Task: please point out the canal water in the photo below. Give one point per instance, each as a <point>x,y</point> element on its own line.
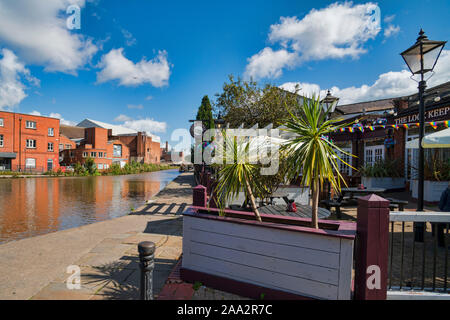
<point>34,206</point>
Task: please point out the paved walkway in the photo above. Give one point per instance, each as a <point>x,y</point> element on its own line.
<point>106,252</point>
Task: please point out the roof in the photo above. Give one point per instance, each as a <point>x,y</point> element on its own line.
<point>71,132</point>
<point>116,129</point>
<point>369,106</point>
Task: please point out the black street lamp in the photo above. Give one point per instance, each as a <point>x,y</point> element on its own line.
<point>329,104</point>
<point>421,59</point>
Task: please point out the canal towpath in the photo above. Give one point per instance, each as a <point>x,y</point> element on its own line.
<point>105,252</point>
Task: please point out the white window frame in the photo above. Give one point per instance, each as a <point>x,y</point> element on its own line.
<point>33,144</point>
<point>2,122</point>
<point>93,154</point>
<point>1,141</point>
<point>50,147</point>
<point>343,168</point>
<point>51,132</point>
<point>30,124</point>
<point>85,154</point>
<point>100,166</point>
<point>68,147</point>
<point>28,166</point>
<point>375,153</point>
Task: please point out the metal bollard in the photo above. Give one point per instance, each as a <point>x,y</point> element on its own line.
<point>146,256</point>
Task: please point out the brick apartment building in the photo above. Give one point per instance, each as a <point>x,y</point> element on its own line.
<point>28,142</point>
<point>97,146</point>
<point>171,156</point>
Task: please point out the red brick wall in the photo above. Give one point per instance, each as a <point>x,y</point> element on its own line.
<point>15,134</point>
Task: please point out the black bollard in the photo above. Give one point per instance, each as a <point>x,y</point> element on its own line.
<point>146,256</point>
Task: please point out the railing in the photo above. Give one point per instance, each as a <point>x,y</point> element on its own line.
<point>26,169</point>
<point>419,266</point>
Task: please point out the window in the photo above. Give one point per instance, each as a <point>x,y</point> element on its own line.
<point>1,140</point>
<point>31,144</point>
<point>104,155</point>
<point>30,163</point>
<point>100,154</point>
<point>68,146</point>
<point>343,168</point>
<point>61,147</point>
<point>117,150</point>
<point>1,122</point>
<point>51,132</point>
<point>93,154</point>
<point>30,125</point>
<point>49,165</point>
<point>50,147</point>
<point>100,166</point>
<point>71,154</point>
<point>85,154</point>
<point>373,154</point>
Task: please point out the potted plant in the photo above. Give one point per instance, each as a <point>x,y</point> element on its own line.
<point>250,253</point>
<point>436,176</point>
<point>385,174</point>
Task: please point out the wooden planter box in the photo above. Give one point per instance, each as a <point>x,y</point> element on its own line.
<point>385,183</point>
<point>281,257</point>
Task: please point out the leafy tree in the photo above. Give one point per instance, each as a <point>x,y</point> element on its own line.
<point>310,153</point>
<point>90,166</point>
<point>205,113</point>
<point>244,102</point>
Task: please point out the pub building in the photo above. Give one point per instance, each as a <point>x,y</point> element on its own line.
<point>380,129</point>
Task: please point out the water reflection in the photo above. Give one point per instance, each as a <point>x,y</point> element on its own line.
<point>34,206</point>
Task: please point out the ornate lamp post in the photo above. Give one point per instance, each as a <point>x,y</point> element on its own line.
<point>421,59</point>
<point>329,104</point>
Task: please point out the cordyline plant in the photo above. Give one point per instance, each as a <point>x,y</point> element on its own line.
<point>310,153</point>
<point>236,174</point>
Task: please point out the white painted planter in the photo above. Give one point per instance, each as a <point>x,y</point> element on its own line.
<point>297,260</point>
<point>385,183</point>
<point>432,190</point>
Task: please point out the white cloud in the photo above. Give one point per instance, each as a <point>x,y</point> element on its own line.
<point>148,98</point>
<point>12,73</point>
<point>122,118</point>
<point>388,85</point>
<point>115,66</point>
<point>37,31</point>
<point>337,31</point>
<point>389,19</point>
<point>147,125</point>
<point>135,106</point>
<point>391,30</point>
<point>269,64</point>
<point>54,115</point>
<point>129,39</point>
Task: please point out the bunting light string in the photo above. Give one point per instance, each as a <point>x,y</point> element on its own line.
<point>361,128</point>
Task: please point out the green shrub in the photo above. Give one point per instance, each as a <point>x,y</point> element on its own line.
<point>383,169</point>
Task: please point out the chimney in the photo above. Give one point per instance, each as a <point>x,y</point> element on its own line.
<point>167,146</point>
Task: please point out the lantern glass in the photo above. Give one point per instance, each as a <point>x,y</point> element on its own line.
<point>430,50</point>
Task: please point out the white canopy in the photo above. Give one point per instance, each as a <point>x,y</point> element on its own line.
<point>440,139</point>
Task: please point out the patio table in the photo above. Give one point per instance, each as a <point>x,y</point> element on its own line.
<point>303,211</point>
<point>353,191</point>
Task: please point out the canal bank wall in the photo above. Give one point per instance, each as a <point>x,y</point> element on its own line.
<point>105,252</point>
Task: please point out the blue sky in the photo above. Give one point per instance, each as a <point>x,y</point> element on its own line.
<point>149,63</point>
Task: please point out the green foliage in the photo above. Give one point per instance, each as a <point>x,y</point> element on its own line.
<point>205,113</point>
<point>133,168</point>
<point>90,166</point>
<point>310,153</point>
<point>383,169</point>
<point>196,285</point>
<point>437,170</point>
<point>244,102</point>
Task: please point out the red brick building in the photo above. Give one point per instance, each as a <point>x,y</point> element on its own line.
<point>28,142</point>
<point>97,146</point>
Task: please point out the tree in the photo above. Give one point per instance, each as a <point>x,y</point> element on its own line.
<point>310,153</point>
<point>244,102</point>
<point>204,113</point>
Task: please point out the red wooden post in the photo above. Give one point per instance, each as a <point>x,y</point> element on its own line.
<point>372,245</point>
<point>199,196</point>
